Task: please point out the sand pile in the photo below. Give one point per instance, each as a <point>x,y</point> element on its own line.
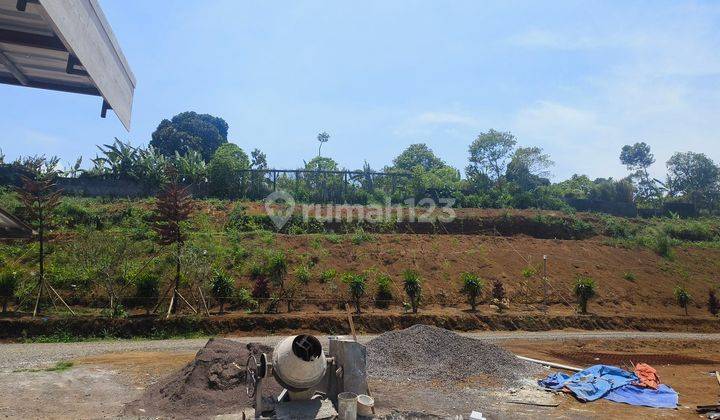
<point>423,352</point>
<point>207,386</point>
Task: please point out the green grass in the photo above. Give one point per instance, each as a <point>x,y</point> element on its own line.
<point>58,367</point>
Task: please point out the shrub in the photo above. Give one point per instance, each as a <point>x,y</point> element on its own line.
<point>585,289</point>
<point>383,296</point>
<point>629,276</point>
<point>413,288</point>
<point>244,299</point>
<point>472,286</point>
<point>662,244</point>
<point>276,268</point>
<point>682,297</point>
<point>356,285</point>
<point>147,290</point>
<point>222,288</point>
<point>261,289</point>
<point>328,275</point>
<point>361,236</point>
<point>9,281</point>
<point>529,271</point>
<point>302,274</point>
<point>498,294</point>
<point>713,303</point>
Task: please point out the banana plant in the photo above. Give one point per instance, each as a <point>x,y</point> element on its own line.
<point>119,158</point>
<point>191,167</point>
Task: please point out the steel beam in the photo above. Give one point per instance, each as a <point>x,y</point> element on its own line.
<point>31,40</point>
<point>13,69</point>
<point>84,90</point>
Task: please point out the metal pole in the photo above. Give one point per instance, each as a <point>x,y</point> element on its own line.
<point>545,280</point>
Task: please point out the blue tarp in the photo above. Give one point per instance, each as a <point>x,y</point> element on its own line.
<point>612,383</point>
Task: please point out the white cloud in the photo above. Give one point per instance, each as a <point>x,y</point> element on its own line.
<point>431,122</point>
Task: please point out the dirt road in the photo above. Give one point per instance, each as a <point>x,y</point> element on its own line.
<point>105,375</point>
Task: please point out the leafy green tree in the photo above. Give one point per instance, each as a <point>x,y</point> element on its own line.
<point>682,297</point>
<point>472,287</point>
<point>585,290</point>
<point>638,158</point>
<point>321,164</point>
<point>147,289</point>
<point>224,171</point>
<point>418,155</point>
<point>529,167</point>
<point>9,280</point>
<point>413,288</point>
<point>695,177</point>
<point>489,154</point>
<point>322,138</point>
<point>223,288</point>
<point>118,160</point>
<point>258,159</point>
<point>190,131</point>
<point>356,285</point>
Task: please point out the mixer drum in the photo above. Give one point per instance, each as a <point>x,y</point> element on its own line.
<point>299,362</point>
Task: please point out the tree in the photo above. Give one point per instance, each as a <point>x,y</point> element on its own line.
<point>713,302</point>
<point>190,131</point>
<point>173,208</point>
<point>418,155</point>
<point>356,285</point>
<point>584,291</point>
<point>413,288</point>
<point>321,164</point>
<point>118,160</point>
<point>529,167</point>
<point>222,288</point>
<point>39,198</point>
<point>695,177</point>
<point>472,286</point>
<point>489,154</point>
<point>638,158</point>
<point>322,138</point>
<point>147,290</point>
<point>258,159</point>
<point>682,297</point>
<point>9,280</point>
<point>224,171</point>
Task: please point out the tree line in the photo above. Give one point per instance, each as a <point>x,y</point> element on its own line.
<point>500,173</point>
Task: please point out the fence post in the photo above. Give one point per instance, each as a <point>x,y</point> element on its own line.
<point>545,280</point>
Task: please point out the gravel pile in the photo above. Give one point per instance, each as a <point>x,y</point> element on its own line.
<point>213,383</point>
<point>423,352</point>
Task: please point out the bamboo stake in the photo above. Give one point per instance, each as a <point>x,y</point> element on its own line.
<point>352,325</point>
<point>186,302</point>
<point>202,296</point>
<point>37,300</point>
<point>172,300</point>
<point>551,364</point>
<point>61,299</point>
<point>157,305</point>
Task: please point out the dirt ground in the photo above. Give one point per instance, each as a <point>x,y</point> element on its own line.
<point>99,385</point>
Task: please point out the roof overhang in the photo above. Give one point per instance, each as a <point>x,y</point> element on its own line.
<point>13,228</point>
<point>65,45</point>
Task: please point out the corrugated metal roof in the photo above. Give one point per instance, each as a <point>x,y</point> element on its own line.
<point>38,38</point>
<point>12,227</point>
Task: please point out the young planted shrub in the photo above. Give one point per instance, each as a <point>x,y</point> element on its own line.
<point>383,296</point>
<point>328,275</point>
<point>498,294</point>
<point>584,290</point>
<point>682,297</point>
<point>713,302</point>
<point>8,283</point>
<point>222,288</point>
<point>302,274</point>
<point>356,285</point>
<point>244,299</point>
<point>261,288</point>
<point>147,290</point>
<point>472,287</point>
<point>413,288</point>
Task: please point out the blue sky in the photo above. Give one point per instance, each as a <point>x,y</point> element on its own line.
<point>577,78</point>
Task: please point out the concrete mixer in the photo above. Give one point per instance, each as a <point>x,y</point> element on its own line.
<point>311,380</point>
